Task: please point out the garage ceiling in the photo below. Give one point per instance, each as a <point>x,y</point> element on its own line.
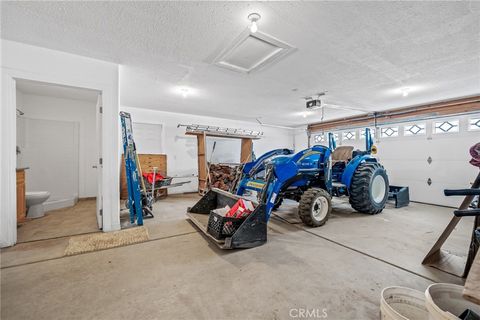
<point>362,53</point>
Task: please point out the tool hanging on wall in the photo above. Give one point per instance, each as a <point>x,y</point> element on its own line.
<point>140,202</point>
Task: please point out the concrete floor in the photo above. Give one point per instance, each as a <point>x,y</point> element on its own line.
<point>341,267</point>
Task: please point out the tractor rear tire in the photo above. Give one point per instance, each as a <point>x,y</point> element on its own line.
<point>369,188</point>
<point>315,207</point>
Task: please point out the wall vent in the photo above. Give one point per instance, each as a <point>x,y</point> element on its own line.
<point>252,51</point>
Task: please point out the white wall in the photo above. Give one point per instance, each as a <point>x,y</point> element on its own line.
<point>300,138</point>
<point>151,137</point>
<point>82,181</point>
<point>226,150</point>
<point>181,149</point>
<point>20,61</point>
<point>50,150</point>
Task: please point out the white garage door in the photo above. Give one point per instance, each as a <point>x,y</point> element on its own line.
<point>426,155</point>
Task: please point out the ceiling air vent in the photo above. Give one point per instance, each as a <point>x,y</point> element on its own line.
<point>252,51</point>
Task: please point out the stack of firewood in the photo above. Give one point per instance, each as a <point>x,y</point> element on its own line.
<point>222,176</point>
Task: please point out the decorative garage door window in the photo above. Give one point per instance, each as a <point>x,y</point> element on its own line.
<point>319,138</point>
<point>446,126</point>
<point>415,129</point>
<point>349,135</point>
<point>362,133</point>
<point>388,132</point>
<point>474,124</point>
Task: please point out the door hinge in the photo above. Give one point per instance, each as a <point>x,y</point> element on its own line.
<point>100,160</point>
<point>101,109</point>
<point>101,212</point>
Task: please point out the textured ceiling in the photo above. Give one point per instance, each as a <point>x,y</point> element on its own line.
<point>56,91</point>
<point>362,53</point>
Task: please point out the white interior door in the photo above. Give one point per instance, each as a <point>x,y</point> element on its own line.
<point>99,163</point>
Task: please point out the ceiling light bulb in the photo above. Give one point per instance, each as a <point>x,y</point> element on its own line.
<point>254,17</point>
<point>254,27</point>
<point>184,92</point>
<point>405,92</point>
<point>304,114</point>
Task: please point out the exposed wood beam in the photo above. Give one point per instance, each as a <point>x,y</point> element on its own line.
<point>246,151</point>
<point>202,163</point>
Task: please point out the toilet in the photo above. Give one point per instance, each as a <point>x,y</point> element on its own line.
<point>35,200</point>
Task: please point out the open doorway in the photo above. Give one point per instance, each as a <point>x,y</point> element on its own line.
<point>58,167</point>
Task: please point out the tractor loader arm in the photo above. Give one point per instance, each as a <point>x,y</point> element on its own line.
<point>253,167</point>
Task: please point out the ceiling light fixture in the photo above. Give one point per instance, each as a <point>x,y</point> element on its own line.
<point>405,91</point>
<point>254,17</point>
<point>184,92</point>
<point>306,114</point>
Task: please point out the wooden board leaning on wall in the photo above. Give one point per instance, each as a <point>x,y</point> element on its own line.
<point>147,162</point>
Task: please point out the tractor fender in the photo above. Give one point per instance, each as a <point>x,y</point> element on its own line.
<point>352,166</point>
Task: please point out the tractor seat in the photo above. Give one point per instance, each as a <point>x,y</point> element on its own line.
<point>342,154</point>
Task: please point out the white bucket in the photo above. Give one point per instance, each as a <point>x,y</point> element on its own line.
<point>445,301</point>
<point>400,303</point>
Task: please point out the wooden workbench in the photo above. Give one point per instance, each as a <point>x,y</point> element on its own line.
<point>147,162</point>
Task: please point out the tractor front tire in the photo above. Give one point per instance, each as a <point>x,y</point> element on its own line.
<point>315,207</point>
<point>369,188</point>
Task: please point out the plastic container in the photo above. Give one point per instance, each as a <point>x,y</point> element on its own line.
<point>445,301</point>
<point>400,303</point>
<point>221,227</point>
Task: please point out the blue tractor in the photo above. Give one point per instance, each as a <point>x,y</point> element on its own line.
<point>310,177</point>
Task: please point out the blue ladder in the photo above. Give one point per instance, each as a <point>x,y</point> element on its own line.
<point>131,170</point>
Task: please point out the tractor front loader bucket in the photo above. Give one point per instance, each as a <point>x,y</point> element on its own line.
<point>225,232</point>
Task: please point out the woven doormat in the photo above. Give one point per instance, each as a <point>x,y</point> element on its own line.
<point>105,240</point>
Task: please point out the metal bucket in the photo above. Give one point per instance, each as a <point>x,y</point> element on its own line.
<point>251,233</point>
